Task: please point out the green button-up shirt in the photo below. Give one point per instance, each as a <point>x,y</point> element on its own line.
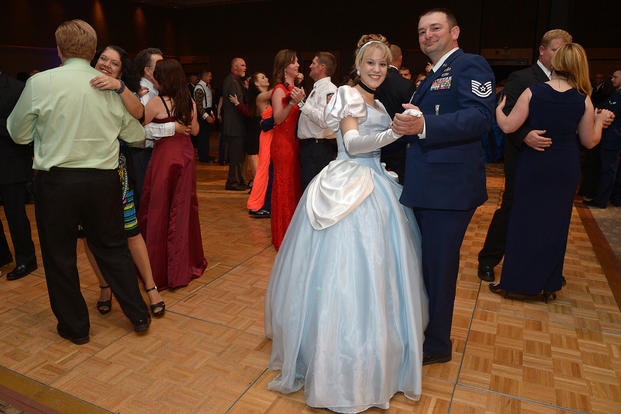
<point>72,124</point>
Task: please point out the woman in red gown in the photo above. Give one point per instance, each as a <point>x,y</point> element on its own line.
<point>168,214</point>
<point>284,150</point>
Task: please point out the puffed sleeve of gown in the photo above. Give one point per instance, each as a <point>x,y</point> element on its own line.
<point>343,184</point>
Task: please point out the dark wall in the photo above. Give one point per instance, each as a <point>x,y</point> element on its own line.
<point>211,36</point>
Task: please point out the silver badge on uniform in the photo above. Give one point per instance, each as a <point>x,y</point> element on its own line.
<point>482,90</point>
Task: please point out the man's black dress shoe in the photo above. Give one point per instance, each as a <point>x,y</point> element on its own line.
<point>592,203</point>
<point>486,272</point>
<point>77,341</point>
<point>428,359</point>
<point>259,213</point>
<point>21,271</point>
<point>235,187</point>
<point>142,325</point>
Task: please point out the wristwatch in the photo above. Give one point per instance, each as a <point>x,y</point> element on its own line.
<point>121,88</point>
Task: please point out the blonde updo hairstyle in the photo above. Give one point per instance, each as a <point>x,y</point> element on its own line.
<point>378,42</point>
<point>570,61</point>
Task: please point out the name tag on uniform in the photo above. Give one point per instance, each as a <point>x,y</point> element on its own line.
<point>441,83</point>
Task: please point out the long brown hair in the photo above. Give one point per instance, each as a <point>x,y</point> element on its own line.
<point>282,59</point>
<point>171,80</point>
<point>570,61</point>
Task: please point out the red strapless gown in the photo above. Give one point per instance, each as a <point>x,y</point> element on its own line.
<point>168,214</point>
<point>286,190</point>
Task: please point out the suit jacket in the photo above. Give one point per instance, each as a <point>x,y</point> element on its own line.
<point>15,160</point>
<point>233,122</point>
<point>517,82</point>
<point>446,170</point>
<point>394,91</point>
<point>611,136</point>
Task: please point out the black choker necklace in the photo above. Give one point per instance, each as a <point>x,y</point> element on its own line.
<point>366,88</point>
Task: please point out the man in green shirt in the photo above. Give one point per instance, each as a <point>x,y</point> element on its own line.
<point>75,129</point>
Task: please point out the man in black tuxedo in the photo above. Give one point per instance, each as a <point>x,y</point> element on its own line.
<point>15,172</point>
<point>494,247</point>
<point>392,93</point>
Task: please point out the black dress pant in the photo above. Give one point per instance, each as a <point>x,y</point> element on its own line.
<point>609,185</point>
<point>14,200</point>
<point>137,163</point>
<point>495,241</point>
<point>314,155</point>
<point>203,140</point>
<point>393,155</point>
<point>66,197</point>
<point>236,159</point>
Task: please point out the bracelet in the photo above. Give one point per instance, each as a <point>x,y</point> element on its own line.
<point>121,89</point>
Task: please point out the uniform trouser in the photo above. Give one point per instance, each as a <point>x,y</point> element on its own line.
<point>494,247</point>
<point>64,198</point>
<point>442,232</point>
<point>236,159</point>
<point>314,155</point>
<point>14,200</point>
<point>609,185</point>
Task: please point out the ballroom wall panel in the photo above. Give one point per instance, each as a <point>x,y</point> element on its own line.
<point>256,30</point>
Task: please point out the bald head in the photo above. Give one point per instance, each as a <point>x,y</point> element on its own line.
<point>238,67</point>
<point>397,56</point>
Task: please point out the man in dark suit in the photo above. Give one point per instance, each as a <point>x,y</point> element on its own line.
<point>445,172</point>
<point>609,185</point>
<point>494,247</point>
<point>393,93</point>
<point>234,124</point>
<point>15,172</point>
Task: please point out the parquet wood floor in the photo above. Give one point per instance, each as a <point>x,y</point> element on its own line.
<point>209,355</point>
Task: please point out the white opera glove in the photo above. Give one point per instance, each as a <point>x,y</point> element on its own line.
<point>357,144</point>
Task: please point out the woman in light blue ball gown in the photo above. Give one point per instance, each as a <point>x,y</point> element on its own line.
<point>345,304</point>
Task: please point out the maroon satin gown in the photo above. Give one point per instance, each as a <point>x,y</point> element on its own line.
<point>286,189</point>
<point>168,214</point>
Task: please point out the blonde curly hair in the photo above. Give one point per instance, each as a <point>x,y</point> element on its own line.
<point>366,44</point>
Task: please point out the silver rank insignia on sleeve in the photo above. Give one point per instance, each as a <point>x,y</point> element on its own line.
<point>482,90</point>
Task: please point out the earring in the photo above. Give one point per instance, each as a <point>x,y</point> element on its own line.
<point>358,72</point>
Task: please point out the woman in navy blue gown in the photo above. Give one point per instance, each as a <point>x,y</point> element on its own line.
<point>546,180</point>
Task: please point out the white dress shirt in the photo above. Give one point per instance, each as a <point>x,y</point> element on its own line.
<point>153,130</point>
<point>207,96</point>
<point>545,70</point>
<point>312,123</point>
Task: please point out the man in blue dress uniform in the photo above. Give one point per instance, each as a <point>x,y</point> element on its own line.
<point>609,186</point>
<point>445,171</point>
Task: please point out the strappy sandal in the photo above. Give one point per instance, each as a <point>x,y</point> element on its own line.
<point>105,306</point>
<point>160,305</point>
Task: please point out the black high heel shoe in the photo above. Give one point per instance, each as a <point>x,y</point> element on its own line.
<point>160,305</point>
<point>105,306</point>
<point>548,296</point>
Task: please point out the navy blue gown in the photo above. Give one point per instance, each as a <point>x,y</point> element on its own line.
<point>545,185</point>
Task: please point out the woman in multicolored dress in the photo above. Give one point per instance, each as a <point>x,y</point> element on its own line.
<point>118,74</point>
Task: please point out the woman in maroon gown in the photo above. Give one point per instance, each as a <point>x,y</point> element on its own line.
<point>284,151</point>
<point>168,214</point>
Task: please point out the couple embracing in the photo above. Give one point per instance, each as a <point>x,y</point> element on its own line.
<point>361,293</point>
